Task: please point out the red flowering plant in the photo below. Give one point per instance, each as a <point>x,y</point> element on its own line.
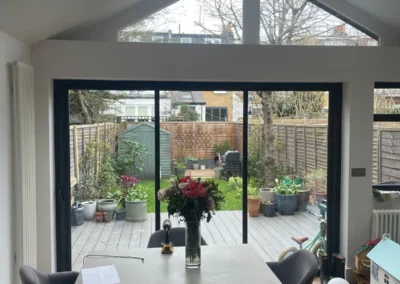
<point>127,184</point>
<point>192,199</point>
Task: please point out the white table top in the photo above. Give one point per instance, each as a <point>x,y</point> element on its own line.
<point>219,264</point>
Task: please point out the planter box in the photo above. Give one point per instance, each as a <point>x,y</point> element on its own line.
<point>180,171</point>
<point>267,195</point>
<point>286,204</point>
<point>254,206</point>
<point>136,211</point>
<point>269,210</point>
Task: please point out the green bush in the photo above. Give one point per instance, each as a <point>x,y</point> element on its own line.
<point>131,161</point>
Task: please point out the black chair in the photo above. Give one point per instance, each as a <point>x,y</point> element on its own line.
<point>176,236</point>
<point>30,275</point>
<point>300,267</point>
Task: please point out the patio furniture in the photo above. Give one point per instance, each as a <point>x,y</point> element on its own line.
<point>176,235</point>
<point>231,163</point>
<point>31,275</point>
<point>303,267</point>
<point>221,264</point>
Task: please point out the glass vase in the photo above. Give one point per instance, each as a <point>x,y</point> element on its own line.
<point>193,244</point>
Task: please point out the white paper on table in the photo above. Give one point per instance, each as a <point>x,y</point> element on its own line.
<point>100,275</point>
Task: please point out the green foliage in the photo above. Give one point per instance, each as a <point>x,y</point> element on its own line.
<point>287,186</point>
<point>131,161</point>
<point>252,192</point>
<point>283,171</point>
<point>136,193</point>
<point>118,194</point>
<point>235,183</point>
<point>191,159</point>
<point>107,180</point>
<point>181,166</point>
<point>222,147</point>
<point>188,113</point>
<point>256,166</point>
<point>86,189</point>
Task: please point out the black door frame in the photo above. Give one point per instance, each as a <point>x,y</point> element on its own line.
<point>62,158</point>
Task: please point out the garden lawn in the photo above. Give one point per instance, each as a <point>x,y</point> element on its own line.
<point>232,200</point>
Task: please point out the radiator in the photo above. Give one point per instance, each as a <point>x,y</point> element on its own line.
<point>386,222</point>
<point>24,165</point>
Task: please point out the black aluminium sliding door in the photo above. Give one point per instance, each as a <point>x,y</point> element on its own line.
<point>62,155</point>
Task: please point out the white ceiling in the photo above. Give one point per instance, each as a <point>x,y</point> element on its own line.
<point>35,20</point>
<point>388,11</point>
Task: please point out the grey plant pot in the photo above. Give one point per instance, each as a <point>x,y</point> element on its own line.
<point>196,166</point>
<point>267,195</point>
<point>106,205</point>
<point>218,172</point>
<point>136,211</point>
<point>286,204</point>
<point>89,209</point>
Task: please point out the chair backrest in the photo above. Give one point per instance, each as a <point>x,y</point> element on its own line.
<point>176,236</point>
<point>31,275</point>
<point>298,268</point>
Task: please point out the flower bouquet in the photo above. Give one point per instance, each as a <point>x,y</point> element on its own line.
<point>192,200</point>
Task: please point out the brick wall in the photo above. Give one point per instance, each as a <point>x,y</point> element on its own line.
<point>220,100</point>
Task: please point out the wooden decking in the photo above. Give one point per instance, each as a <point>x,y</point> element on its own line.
<point>268,235</point>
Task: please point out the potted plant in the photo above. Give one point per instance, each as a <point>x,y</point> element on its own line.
<point>269,208</point>
<point>192,163</point>
<point>267,194</point>
<point>303,197</point>
<point>136,204</point>
<point>85,195</point>
<point>180,169</point>
<point>286,197</point>
<point>317,183</point>
<point>253,201</point>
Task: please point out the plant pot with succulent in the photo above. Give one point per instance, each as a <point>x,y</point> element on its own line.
<point>85,194</point>
<point>192,200</point>
<point>269,208</point>
<point>253,201</point>
<point>317,183</point>
<point>286,196</point>
<point>136,204</point>
<point>192,163</point>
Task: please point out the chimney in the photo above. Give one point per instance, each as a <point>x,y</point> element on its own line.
<point>341,28</point>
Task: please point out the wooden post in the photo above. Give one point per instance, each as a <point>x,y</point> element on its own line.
<point>295,147</point>
<point>97,151</point>
<point>305,149</point>
<point>286,145</point>
<point>315,148</point>
<point>76,154</point>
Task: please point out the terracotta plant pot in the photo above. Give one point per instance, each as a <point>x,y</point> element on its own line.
<point>303,198</point>
<point>99,216</point>
<point>253,206</point>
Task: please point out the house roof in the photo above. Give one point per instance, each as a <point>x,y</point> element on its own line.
<point>386,254</point>
<point>144,95</point>
<point>193,97</point>
<point>141,125</point>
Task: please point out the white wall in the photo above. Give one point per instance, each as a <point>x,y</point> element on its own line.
<point>357,68</point>
<point>10,50</point>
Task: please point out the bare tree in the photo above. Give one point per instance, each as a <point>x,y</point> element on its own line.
<point>283,22</point>
<point>385,101</point>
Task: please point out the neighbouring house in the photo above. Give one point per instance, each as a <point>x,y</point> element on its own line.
<point>139,106</point>
<point>385,262</point>
<point>193,99</point>
<point>226,37</point>
<point>219,105</point>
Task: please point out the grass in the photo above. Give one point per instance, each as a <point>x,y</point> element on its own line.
<point>232,201</point>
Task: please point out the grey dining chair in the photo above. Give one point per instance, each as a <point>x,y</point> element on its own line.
<point>31,275</point>
<point>300,267</point>
<point>176,236</point>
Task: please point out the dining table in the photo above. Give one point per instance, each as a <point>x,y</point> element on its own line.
<point>233,264</point>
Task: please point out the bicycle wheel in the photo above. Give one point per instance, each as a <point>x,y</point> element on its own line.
<point>316,247</point>
<point>286,252</point>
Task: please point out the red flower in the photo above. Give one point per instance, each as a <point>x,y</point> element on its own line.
<point>185,179</point>
<point>193,190</point>
<point>129,180</point>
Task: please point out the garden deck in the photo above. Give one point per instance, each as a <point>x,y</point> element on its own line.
<point>268,235</point>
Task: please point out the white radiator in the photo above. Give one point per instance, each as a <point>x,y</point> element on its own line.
<point>24,167</point>
<point>386,222</point>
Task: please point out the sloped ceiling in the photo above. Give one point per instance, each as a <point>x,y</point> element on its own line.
<point>387,11</point>
<point>34,20</point>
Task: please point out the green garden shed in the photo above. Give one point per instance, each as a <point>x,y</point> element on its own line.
<point>144,133</point>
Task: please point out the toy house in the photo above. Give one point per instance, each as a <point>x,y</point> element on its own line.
<point>385,262</point>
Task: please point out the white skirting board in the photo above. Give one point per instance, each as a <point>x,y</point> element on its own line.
<point>24,166</point>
